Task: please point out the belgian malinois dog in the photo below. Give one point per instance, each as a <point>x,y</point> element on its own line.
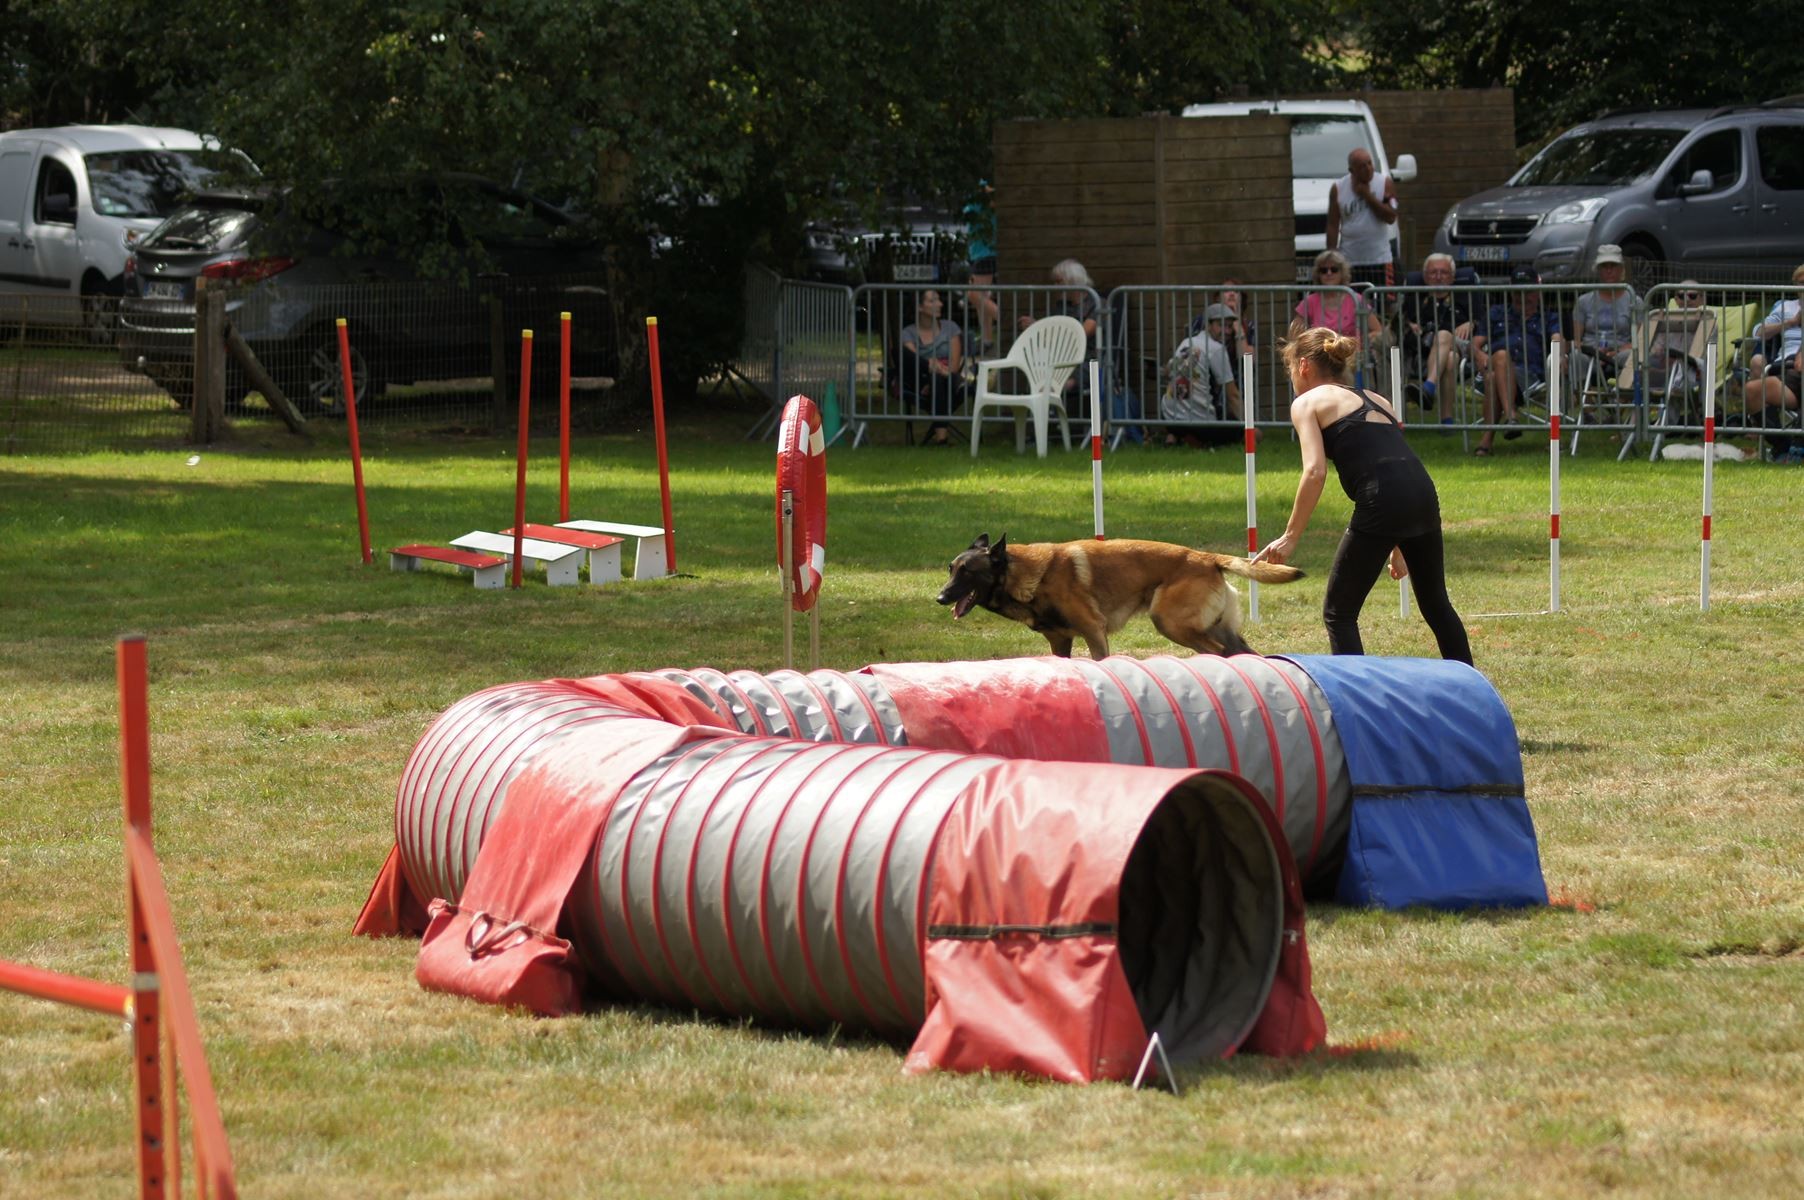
<point>1090,589</point>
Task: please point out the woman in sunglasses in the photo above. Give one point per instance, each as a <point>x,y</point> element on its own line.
<point>1331,307</point>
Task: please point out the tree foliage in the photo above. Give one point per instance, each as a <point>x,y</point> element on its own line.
<point>1568,62</point>
<point>719,125</point>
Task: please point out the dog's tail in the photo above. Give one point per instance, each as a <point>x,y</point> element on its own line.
<point>1261,572</point>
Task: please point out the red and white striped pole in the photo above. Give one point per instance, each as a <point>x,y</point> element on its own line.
<point>1709,471</point>
<point>1096,443</point>
<point>1555,376</point>
<point>1246,415</point>
<point>1402,408</point>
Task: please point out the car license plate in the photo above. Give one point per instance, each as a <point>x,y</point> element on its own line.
<point>162,289</point>
<point>1485,253</point>
<point>916,273</point>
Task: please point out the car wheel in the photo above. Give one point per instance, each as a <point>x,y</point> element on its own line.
<point>313,380</point>
<point>99,313</point>
<point>1642,259</point>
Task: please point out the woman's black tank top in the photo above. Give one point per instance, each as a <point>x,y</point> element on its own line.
<point>1390,488</point>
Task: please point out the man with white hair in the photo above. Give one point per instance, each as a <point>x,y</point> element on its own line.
<point>1362,208</point>
<point>1437,332</point>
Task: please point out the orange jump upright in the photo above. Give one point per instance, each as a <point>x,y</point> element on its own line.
<point>165,1034</point>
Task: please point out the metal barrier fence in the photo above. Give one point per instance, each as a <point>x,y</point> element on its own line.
<point>795,340</point>
<point>421,352</point>
<point>888,384</point>
<point>1483,347</point>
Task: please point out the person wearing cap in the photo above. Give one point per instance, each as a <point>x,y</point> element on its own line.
<point>1362,209</point>
<point>1200,384</point>
<point>1604,321</point>
<point>1514,351</point>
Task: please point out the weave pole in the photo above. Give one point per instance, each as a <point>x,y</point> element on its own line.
<point>1709,472</point>
<point>363,508</point>
<point>657,420</point>
<point>785,539</point>
<point>1402,408</point>
<point>563,417</point>
<point>1096,443</point>
<point>520,453</point>
<point>1554,378</point>
<point>1246,416</point>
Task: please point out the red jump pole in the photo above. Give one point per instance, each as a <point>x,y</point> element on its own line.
<point>563,420</point>
<point>147,1025</point>
<point>520,452</point>
<point>657,417</point>
<point>350,392</point>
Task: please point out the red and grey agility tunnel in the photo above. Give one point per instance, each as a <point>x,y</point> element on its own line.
<point>891,851</point>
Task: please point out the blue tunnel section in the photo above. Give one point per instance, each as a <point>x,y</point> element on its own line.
<point>1438,815</point>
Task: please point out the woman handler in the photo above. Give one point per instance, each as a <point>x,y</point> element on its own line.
<point>1396,513</point>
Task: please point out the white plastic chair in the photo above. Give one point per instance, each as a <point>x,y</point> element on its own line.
<point>1046,353</point>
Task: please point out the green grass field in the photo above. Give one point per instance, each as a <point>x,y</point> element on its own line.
<point>1648,1041</point>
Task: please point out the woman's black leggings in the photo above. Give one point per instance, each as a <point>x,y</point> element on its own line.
<point>1357,565</point>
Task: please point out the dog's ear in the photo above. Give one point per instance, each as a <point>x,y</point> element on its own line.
<point>982,542</point>
<point>999,552</point>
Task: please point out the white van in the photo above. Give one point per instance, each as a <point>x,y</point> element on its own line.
<point>73,199</point>
<point>1322,134</point>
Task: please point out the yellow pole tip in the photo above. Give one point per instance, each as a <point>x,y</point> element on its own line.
<point>341,322</point>
<point>651,320</point>
<point>526,333</point>
<point>563,317</point>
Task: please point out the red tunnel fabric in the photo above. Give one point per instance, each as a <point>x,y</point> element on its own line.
<point>689,861</point>
<point>977,707</point>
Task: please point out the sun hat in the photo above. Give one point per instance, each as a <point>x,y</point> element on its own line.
<point>1608,253</point>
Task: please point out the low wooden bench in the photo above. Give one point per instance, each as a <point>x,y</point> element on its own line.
<point>487,570</point>
<point>562,563</point>
<point>603,549</point>
<point>651,556</point>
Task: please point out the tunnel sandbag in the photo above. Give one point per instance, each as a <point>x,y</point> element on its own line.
<point>1066,924</point>
<point>1438,814</point>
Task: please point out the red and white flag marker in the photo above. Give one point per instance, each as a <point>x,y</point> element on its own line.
<point>1555,377</point>
<point>1709,472</point>
<point>1246,416</point>
<point>1096,443</point>
<point>1402,408</point>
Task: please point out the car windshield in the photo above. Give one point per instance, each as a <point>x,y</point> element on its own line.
<point>1319,145</point>
<point>1601,158</point>
<point>201,227</point>
<point>153,183</point>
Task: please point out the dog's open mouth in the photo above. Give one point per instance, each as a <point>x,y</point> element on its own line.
<point>963,604</point>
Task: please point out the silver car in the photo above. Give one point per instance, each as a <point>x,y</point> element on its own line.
<point>1719,185</point>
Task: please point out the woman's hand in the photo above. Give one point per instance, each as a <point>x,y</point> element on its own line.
<point>1399,568</point>
<point>1279,549</point>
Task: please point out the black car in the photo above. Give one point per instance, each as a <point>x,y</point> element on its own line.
<point>292,274</point>
<point>912,244</point>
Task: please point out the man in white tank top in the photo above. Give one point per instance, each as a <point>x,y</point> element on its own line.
<point>1362,208</point>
